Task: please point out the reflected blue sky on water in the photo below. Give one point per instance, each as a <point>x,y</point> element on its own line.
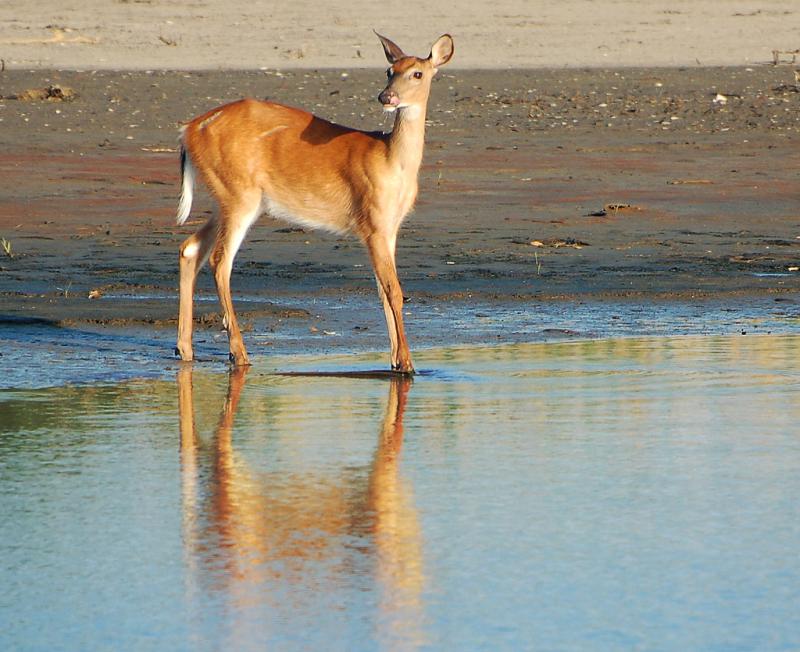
<point>592,495</point>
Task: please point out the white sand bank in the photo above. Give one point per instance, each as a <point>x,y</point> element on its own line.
<point>211,34</point>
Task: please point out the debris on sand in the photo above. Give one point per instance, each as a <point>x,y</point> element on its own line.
<point>51,93</point>
<point>6,245</point>
<point>613,209</point>
<point>784,56</point>
<point>557,243</point>
<point>787,88</point>
<point>616,208</point>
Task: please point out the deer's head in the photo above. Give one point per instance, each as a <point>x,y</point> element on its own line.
<point>410,77</point>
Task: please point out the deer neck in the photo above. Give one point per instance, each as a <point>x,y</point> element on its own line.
<point>407,140</point>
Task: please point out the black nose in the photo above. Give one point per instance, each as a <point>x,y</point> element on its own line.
<point>386,96</point>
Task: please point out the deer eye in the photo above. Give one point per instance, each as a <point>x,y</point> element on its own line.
<point>417,75</point>
<point>389,73</point>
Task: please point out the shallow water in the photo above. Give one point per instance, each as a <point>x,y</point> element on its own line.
<point>588,495</point>
<point>39,353</point>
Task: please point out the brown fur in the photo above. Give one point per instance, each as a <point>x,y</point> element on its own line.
<point>258,156</point>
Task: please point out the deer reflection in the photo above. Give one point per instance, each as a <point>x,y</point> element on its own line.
<point>277,540</point>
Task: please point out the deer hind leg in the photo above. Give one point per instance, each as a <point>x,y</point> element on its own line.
<point>233,225</point>
<point>381,251</point>
<point>193,253</point>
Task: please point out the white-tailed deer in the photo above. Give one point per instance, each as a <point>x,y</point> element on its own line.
<point>259,157</point>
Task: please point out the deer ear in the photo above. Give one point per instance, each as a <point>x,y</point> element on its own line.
<point>392,51</point>
<point>442,50</point>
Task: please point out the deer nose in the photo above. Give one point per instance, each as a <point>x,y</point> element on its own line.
<point>389,98</point>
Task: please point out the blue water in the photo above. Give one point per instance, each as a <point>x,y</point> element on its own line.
<point>610,494</point>
<point>39,353</point>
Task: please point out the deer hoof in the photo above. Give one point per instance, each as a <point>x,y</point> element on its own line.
<point>186,357</point>
<point>240,360</point>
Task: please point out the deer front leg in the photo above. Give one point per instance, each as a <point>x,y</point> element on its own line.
<point>233,225</point>
<point>387,311</point>
<point>222,262</point>
<point>382,255</point>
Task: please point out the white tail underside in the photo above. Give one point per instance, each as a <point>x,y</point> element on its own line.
<point>187,187</point>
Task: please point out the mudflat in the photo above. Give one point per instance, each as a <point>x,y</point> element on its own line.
<point>538,186</point>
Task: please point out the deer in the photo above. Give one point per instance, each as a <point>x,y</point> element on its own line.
<point>259,157</point>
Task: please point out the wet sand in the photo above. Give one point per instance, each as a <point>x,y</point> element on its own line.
<point>642,185</point>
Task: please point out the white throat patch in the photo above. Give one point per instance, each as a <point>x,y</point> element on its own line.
<point>411,112</point>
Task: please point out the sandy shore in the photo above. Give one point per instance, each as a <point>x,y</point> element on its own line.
<point>647,186</point>
<point>239,34</point>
